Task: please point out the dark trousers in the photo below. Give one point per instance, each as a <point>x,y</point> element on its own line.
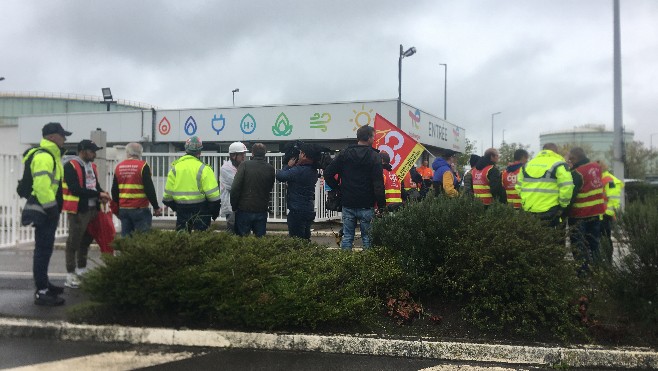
<point>192,218</point>
<point>585,236</point>
<point>606,234</point>
<point>44,239</point>
<point>245,222</point>
<point>77,244</point>
<point>299,223</point>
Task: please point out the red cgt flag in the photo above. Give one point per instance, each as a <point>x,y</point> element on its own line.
<point>403,149</point>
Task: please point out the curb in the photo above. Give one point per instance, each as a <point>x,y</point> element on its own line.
<point>345,344</point>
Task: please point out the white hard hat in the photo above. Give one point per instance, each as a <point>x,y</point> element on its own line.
<point>237,147</point>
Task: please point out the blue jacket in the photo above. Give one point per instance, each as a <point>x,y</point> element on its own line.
<point>440,166</point>
<point>301,181</point>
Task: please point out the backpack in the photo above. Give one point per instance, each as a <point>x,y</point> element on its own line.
<point>334,201</point>
<point>24,187</point>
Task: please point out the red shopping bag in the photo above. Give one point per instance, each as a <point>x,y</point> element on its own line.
<point>102,229</point>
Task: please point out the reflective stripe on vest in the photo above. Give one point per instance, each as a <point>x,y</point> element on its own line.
<point>71,201</point>
<point>481,188</point>
<point>191,188</point>
<point>543,191</point>
<point>131,186</point>
<point>589,201</point>
<point>509,181</point>
<point>392,188</point>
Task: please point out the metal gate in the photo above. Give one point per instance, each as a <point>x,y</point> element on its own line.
<point>11,206</point>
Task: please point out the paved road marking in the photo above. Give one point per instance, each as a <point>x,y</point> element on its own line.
<point>469,368</point>
<point>114,361</point>
<point>9,274</point>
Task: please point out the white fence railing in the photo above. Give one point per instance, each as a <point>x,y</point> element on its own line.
<point>11,169</point>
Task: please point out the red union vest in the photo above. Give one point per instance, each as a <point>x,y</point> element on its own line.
<point>131,185</point>
<point>481,188</point>
<point>392,188</point>
<point>590,198</point>
<point>71,201</point>
<point>509,181</point>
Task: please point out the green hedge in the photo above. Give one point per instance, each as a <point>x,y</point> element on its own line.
<point>633,281</point>
<point>508,271</point>
<point>220,280</point>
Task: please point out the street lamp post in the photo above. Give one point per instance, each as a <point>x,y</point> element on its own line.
<point>651,140</point>
<point>107,97</point>
<point>492,127</point>
<point>503,136</point>
<point>408,53</point>
<point>236,90</point>
<point>445,90</point>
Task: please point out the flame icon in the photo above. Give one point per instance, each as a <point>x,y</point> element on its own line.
<point>190,126</point>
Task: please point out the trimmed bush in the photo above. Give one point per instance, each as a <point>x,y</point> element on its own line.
<point>507,270</point>
<point>224,281</point>
<point>633,282</point>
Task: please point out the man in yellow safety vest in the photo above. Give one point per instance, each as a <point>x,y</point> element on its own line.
<point>612,187</point>
<point>545,185</point>
<point>192,190</point>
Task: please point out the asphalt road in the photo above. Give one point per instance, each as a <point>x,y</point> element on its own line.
<point>44,355</point>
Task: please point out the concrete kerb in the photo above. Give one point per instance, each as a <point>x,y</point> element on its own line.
<point>346,344</point>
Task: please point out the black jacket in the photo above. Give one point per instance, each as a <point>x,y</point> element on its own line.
<point>252,185</point>
<point>361,182</point>
<point>72,181</point>
<point>495,179</point>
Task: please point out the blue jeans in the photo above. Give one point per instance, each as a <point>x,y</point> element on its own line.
<point>350,217</point>
<point>44,240</point>
<point>245,222</point>
<point>135,220</point>
<point>299,223</point>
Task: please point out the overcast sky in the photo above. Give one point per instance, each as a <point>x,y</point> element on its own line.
<point>545,64</point>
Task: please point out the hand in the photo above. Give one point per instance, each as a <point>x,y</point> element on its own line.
<point>104,197</point>
<point>292,162</point>
<point>157,212</point>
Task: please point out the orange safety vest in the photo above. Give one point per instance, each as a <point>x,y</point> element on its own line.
<point>392,188</point>
<point>131,184</point>
<point>509,181</point>
<point>481,188</point>
<point>590,200</point>
<point>71,201</point>
<point>425,172</point>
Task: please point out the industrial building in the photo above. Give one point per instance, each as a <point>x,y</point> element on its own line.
<point>595,140</point>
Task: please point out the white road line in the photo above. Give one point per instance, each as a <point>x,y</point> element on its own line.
<point>469,368</point>
<point>114,361</point>
<point>8,274</point>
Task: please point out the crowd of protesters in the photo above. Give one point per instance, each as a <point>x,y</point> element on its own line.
<point>575,191</point>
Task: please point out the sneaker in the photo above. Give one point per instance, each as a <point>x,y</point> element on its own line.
<point>47,298</point>
<point>72,281</point>
<point>81,271</point>
<point>57,290</point>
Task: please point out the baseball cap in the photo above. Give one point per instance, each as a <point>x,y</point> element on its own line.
<point>54,128</point>
<point>88,144</point>
<point>193,144</point>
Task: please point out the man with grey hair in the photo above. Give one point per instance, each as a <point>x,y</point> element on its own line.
<point>250,193</point>
<point>133,190</point>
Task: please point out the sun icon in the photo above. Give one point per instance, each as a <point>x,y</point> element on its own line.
<point>361,118</point>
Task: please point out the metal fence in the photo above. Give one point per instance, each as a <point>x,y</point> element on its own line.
<point>11,206</point>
